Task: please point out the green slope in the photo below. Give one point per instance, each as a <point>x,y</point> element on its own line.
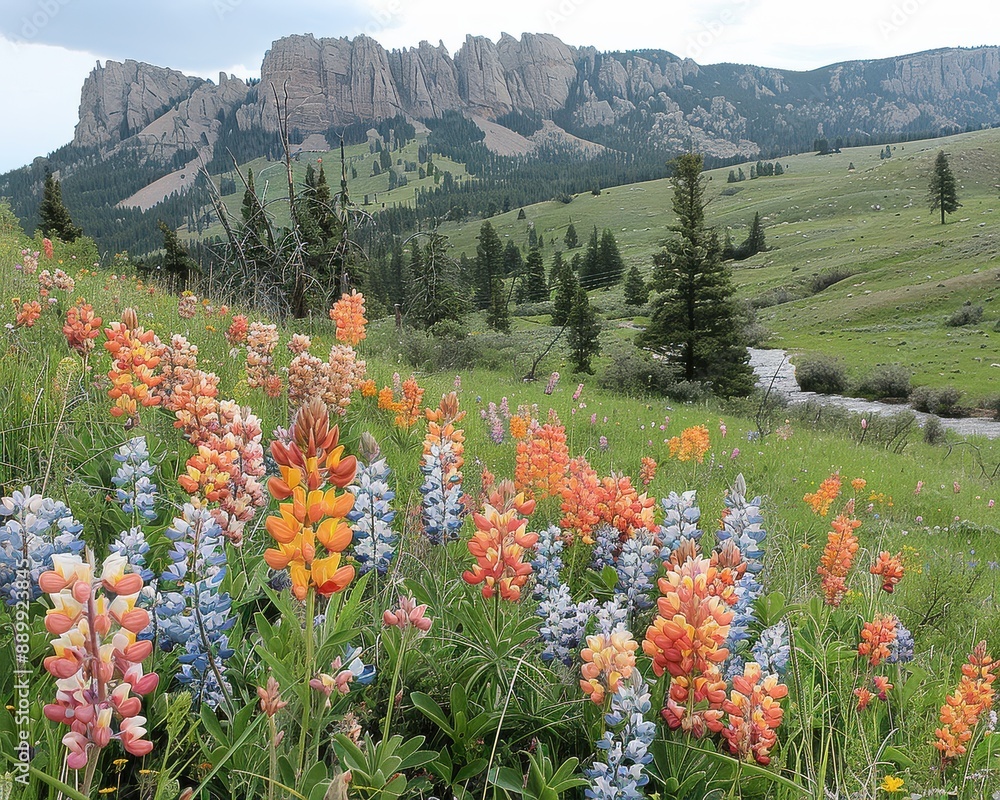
<point>908,273</point>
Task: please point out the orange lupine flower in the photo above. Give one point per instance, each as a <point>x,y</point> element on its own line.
<point>858,484</point>
<point>882,687</point>
<point>581,493</point>
<point>312,468</point>
<point>963,709</point>
<point>500,543</point>
<point>607,660</point>
<point>621,506</point>
<point>442,433</point>
<point>686,640</point>
<point>755,713</point>
<point>369,388</point>
<point>890,567</point>
<point>208,474</point>
<point>238,329</point>
<point>647,470</point>
<point>823,497</point>
<point>349,314</point>
<point>692,444</point>
<point>409,410</point>
<point>542,460</point>
<point>29,314</point>
<point>876,636</point>
<point>518,427</point>
<point>81,327</point>
<point>838,555</point>
<point>135,355</point>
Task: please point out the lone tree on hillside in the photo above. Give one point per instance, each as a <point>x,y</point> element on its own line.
<point>636,289</point>
<point>584,330</point>
<point>943,194</point>
<point>695,318</point>
<point>54,218</point>
<point>177,264</point>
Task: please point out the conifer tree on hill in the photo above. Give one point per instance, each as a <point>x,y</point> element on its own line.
<point>54,217</point>
<point>943,194</point>
<point>695,318</point>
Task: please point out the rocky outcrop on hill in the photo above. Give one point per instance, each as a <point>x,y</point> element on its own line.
<point>120,99</point>
<point>625,100</point>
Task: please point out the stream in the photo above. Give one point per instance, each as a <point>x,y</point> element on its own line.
<point>773,369</point>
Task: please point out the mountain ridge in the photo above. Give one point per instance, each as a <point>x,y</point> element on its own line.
<point>725,110</point>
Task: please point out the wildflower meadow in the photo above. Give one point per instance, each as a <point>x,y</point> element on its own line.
<point>240,558</point>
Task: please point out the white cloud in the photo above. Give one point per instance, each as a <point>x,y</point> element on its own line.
<point>790,34</point>
<point>41,103</point>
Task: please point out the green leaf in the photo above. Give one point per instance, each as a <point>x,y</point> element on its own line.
<point>471,769</point>
<point>507,778</point>
<point>425,704</point>
<point>609,576</point>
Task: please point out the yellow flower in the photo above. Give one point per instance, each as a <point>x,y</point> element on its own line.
<point>891,784</point>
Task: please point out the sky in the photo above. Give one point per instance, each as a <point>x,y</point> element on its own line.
<point>48,47</point>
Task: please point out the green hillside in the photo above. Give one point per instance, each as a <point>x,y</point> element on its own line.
<point>907,272</point>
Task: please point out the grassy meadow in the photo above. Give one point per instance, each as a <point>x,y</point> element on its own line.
<point>470,707</point>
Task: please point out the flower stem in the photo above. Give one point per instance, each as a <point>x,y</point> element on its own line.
<point>308,673</point>
<point>395,682</point>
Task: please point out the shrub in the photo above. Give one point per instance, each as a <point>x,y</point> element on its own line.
<point>633,370</point>
<point>935,401</point>
<point>774,297</point>
<point>967,314</point>
<point>933,431</point>
<point>824,280</point>
<point>821,374</point>
<point>887,380</point>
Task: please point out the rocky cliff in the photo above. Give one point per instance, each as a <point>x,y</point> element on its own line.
<point>650,97</point>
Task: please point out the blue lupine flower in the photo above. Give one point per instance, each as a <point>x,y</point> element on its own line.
<point>771,650</point>
<point>548,560</point>
<point>35,528</point>
<point>743,524</point>
<point>681,520</point>
<point>133,488</point>
<point>190,610</point>
<point>637,564</point>
<point>607,542</point>
<point>901,650</point>
<point>626,745</point>
<point>612,615</point>
<point>564,623</point>
<point>371,518</point>
<point>441,507</point>
<point>132,544</point>
<point>363,673</point>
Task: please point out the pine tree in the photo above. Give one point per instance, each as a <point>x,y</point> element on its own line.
<point>694,323</point>
<point>636,289</point>
<point>755,242</point>
<point>513,261</point>
<point>432,297</point>
<point>177,264</point>
<point>943,194</point>
<point>497,313</point>
<point>54,218</point>
<point>571,240</point>
<point>566,289</point>
<point>489,265</point>
<point>612,266</point>
<point>584,330</point>
<point>590,266</point>
<point>531,285</point>
<point>398,277</point>
<point>555,270</point>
